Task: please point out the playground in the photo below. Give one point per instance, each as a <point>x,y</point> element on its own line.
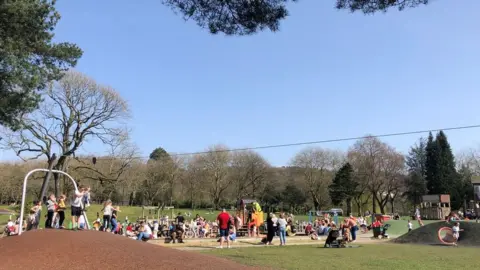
<point>426,246</point>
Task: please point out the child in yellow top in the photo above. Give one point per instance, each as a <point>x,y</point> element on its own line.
<point>61,211</point>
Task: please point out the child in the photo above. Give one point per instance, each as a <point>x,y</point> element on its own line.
<point>155,229</point>
<point>51,207</point>
<point>456,233</point>
<point>81,222</point>
<point>410,225</point>
<point>86,198</point>
<point>232,233</point>
<point>61,211</point>
<point>347,235</point>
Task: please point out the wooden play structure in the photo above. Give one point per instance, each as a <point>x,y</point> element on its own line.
<point>435,207</point>
<point>249,210</point>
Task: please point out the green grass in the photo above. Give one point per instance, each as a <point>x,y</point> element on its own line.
<point>380,256</point>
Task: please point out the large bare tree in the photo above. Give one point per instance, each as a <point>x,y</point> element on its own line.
<point>249,171</point>
<point>75,109</point>
<point>317,166</point>
<point>377,167</point>
<point>215,165</point>
<point>109,168</point>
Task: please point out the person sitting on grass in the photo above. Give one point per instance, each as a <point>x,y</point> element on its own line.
<point>129,230</point>
<point>144,232</point>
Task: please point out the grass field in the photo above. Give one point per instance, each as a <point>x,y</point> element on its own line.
<point>398,227</point>
<point>371,256</point>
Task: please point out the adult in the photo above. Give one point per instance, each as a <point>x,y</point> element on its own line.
<point>180,219</point>
<point>352,225</point>
<point>144,231</point>
<point>270,229</point>
<point>282,229</point>
<point>223,220</point>
<point>76,206</point>
<point>107,215</point>
<point>275,223</point>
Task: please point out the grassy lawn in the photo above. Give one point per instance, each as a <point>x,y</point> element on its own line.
<point>380,256</point>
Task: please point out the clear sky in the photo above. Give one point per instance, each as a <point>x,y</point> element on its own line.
<point>327,74</point>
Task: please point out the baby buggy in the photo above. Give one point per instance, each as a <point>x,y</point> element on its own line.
<point>381,231</point>
<point>334,239</point>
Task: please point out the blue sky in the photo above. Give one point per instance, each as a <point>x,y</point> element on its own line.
<point>327,74</point>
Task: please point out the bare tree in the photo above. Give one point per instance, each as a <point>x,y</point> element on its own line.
<point>215,164</point>
<point>192,179</point>
<point>393,166</point>
<point>249,171</point>
<point>75,109</point>
<point>377,167</point>
<point>160,175</point>
<point>110,168</point>
<point>317,166</point>
<point>469,158</point>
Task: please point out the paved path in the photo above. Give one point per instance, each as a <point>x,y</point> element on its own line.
<point>208,244</point>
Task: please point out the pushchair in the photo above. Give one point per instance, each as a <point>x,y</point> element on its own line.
<point>334,239</point>
<point>381,232</point>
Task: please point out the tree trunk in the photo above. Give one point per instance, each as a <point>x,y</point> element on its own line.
<point>45,183</point>
<point>380,205</point>
<point>374,203</point>
<point>349,206</point>
<point>392,204</point>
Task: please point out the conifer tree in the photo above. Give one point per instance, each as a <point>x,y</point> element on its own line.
<point>343,187</point>
<point>431,166</point>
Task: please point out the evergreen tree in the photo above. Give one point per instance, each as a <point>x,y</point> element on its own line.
<point>343,187</point>
<point>416,180</point>
<point>441,174</point>
<point>449,180</point>
<point>431,166</point>
<point>29,56</point>
<point>465,185</point>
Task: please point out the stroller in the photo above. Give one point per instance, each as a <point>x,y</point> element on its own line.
<point>381,232</point>
<point>384,234</point>
<point>334,239</point>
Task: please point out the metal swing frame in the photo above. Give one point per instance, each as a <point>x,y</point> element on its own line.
<point>24,192</point>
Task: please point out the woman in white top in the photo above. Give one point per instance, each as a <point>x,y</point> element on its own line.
<point>282,229</point>
<point>107,215</point>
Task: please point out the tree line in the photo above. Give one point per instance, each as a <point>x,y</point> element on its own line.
<point>371,175</point>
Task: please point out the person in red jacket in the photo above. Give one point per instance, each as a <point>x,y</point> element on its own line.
<point>223,220</point>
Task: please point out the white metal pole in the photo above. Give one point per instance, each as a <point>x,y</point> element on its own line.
<point>24,191</point>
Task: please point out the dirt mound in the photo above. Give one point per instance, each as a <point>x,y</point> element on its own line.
<point>428,234</point>
<point>63,249</point>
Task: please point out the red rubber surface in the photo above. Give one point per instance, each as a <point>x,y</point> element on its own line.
<point>63,249</point>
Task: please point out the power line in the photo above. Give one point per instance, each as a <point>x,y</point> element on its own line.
<point>316,142</point>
